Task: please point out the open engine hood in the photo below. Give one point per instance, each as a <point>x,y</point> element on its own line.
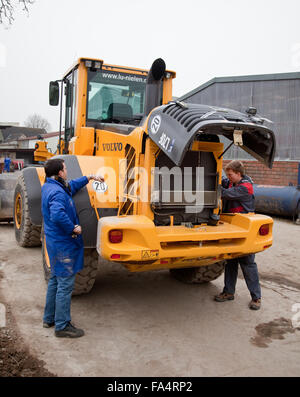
<point>175,126</point>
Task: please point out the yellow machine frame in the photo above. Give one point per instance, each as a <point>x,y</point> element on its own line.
<point>144,245</point>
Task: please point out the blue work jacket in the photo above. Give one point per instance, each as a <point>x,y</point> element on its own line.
<point>7,162</point>
<point>60,217</point>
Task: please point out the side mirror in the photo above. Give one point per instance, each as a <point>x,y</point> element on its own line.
<point>53,93</point>
<point>158,69</point>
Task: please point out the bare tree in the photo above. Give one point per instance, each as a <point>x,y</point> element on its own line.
<point>37,121</point>
<point>7,9</point>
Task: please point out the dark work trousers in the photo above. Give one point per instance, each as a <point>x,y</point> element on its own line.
<point>250,272</point>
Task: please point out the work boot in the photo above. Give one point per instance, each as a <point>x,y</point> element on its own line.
<point>69,332</point>
<point>255,304</point>
<point>223,297</point>
<point>48,325</point>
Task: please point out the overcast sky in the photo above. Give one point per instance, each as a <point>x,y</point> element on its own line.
<point>199,40</point>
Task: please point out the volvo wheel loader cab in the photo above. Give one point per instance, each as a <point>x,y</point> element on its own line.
<point>160,205</point>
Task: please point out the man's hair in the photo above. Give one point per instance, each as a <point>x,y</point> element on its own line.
<point>236,166</point>
<point>53,166</point>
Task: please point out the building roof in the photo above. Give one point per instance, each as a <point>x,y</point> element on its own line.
<point>238,79</point>
<point>43,136</point>
<point>14,133</point>
<point>9,124</point>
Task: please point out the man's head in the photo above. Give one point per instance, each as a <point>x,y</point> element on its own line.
<point>55,167</point>
<point>235,171</point>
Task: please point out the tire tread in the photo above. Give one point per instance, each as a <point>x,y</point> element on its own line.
<point>198,275</point>
<point>28,235</point>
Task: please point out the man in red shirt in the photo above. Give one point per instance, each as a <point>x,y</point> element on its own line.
<point>238,197</point>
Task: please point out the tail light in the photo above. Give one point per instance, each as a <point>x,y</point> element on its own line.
<point>264,230</point>
<point>115,256</point>
<point>115,236</point>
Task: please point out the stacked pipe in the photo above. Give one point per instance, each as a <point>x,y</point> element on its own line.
<point>279,200</point>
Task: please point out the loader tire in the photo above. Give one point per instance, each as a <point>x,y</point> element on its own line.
<point>27,234</point>
<point>85,279</point>
<point>198,275</point>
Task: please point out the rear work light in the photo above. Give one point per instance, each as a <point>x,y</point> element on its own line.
<point>264,230</point>
<point>115,236</point>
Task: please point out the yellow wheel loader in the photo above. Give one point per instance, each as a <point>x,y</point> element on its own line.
<point>160,206</point>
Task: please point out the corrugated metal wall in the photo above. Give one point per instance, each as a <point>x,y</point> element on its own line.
<point>277,100</point>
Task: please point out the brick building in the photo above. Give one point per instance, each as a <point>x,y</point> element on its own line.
<point>276,97</point>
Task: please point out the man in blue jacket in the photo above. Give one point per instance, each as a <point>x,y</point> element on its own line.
<point>238,197</point>
<point>7,162</point>
<point>64,245</point>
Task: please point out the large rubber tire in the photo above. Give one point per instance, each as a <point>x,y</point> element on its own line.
<point>198,275</point>
<point>27,234</point>
<point>85,279</point>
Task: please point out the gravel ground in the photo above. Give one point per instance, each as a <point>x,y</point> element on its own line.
<point>149,324</point>
<point>15,358</point>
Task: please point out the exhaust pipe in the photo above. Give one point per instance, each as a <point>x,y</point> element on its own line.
<point>153,85</point>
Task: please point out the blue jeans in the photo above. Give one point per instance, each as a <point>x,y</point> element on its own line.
<point>58,301</point>
<point>250,272</point>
